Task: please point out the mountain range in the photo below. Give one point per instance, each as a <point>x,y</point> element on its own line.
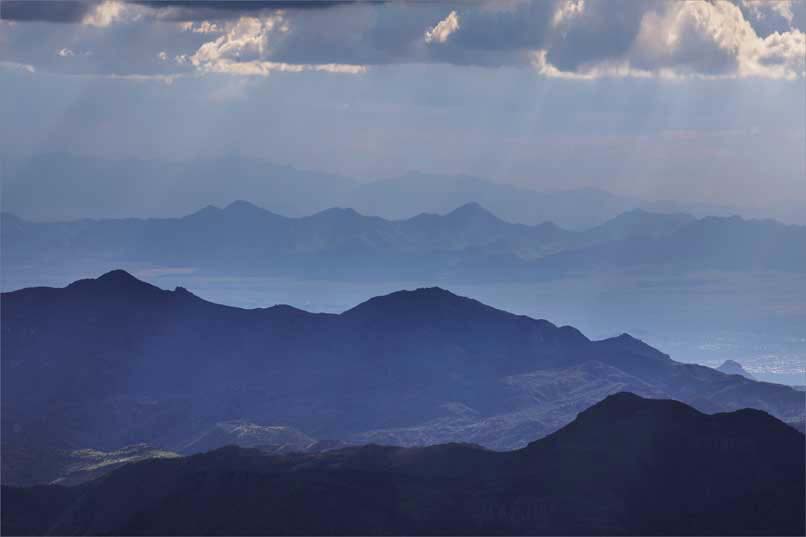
<point>625,466</point>
<point>467,244</point>
<point>110,362</point>
<point>54,186</point>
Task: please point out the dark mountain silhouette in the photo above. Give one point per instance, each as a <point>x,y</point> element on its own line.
<point>732,367</point>
<point>468,243</point>
<point>625,466</point>
<point>114,361</point>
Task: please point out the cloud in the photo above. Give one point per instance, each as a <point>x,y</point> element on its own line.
<point>72,11</point>
<point>110,12</point>
<point>203,27</point>
<point>670,39</point>
<point>65,52</point>
<point>223,10</point>
<point>567,11</point>
<point>443,29</point>
<point>559,38</point>
<point>246,40</point>
<point>264,68</point>
<point>243,50</point>
<point>714,39</point>
<point>17,66</point>
<point>768,16</point>
<point>46,11</point>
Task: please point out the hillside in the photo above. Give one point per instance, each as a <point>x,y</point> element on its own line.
<point>130,363</point>
<point>625,466</point>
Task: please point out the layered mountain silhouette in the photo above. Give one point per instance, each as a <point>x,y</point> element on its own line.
<point>625,466</point>
<point>415,192</point>
<point>54,186</point>
<point>114,361</point>
<point>468,243</point>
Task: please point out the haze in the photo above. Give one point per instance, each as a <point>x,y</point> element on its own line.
<point>546,95</point>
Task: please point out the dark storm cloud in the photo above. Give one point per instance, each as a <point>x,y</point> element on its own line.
<point>605,29</point>
<point>184,10</point>
<point>69,11</point>
<point>590,38</point>
<point>44,10</point>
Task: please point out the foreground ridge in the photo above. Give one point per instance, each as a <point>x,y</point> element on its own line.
<point>627,465</point>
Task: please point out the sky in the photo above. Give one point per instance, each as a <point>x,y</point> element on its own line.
<point>693,101</point>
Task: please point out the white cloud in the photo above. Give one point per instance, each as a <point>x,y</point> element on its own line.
<point>567,10</point>
<point>111,11</point>
<point>65,52</point>
<point>605,69</point>
<point>264,68</point>
<point>17,66</point>
<point>569,38</point>
<point>781,55</point>
<point>694,39</point>
<point>443,29</point>
<point>715,39</point>
<point>203,27</point>
<point>244,49</point>
<point>246,40</point>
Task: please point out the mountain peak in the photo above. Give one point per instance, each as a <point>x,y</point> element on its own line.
<point>732,367</point>
<point>420,304</point>
<point>420,294</point>
<point>118,276</point>
<point>471,210</point>
<point>623,400</point>
<point>627,404</point>
<point>639,222</point>
<point>237,207</point>
<point>116,282</point>
<point>338,212</point>
<point>243,206</point>
<point>621,407</point>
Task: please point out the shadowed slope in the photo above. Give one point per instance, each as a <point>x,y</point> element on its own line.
<point>625,466</point>
<point>112,362</point>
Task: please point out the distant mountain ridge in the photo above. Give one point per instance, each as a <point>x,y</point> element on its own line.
<point>626,465</point>
<point>466,244</point>
<point>53,186</point>
<point>131,363</point>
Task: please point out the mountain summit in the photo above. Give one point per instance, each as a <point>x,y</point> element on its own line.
<point>423,304</point>
<point>732,367</point>
<point>472,211</point>
<point>116,283</point>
